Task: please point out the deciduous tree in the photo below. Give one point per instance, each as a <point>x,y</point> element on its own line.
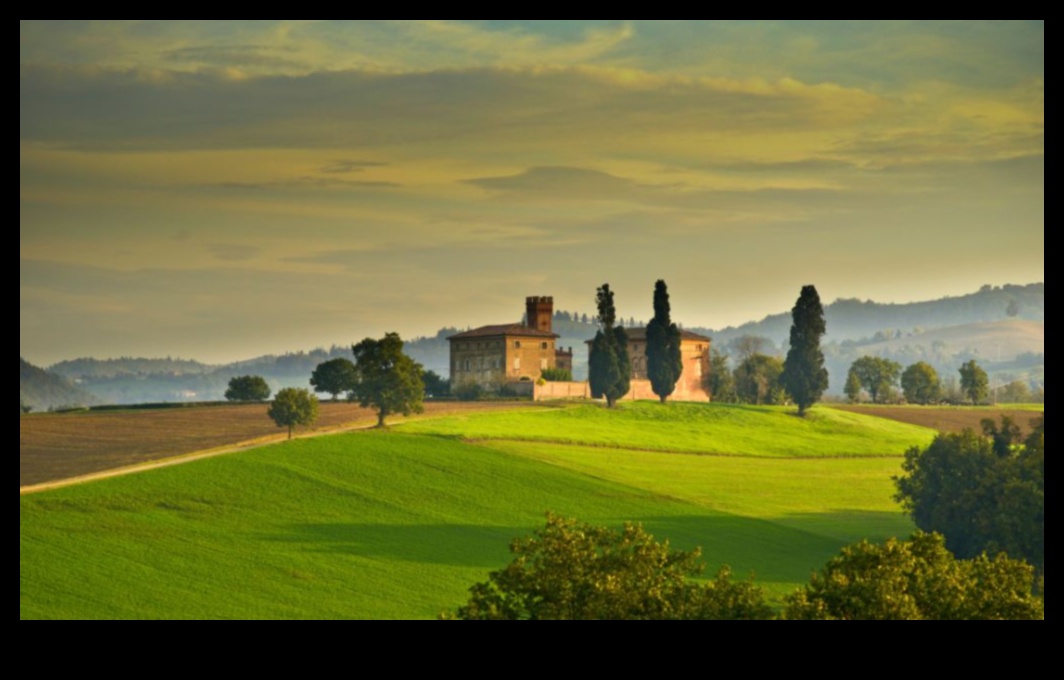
<point>720,383</point>
<point>294,408</point>
<point>387,379</point>
<point>664,340</point>
<point>610,367</point>
<point>877,376</point>
<point>975,383</point>
<point>921,384</point>
<point>804,376</point>
<point>980,492</point>
<point>436,386</point>
<point>757,381</point>
<point>248,389</point>
<point>917,580</point>
<point>334,378</point>
<point>573,572</point>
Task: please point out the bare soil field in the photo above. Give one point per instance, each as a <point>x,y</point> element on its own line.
<point>946,419</point>
<point>55,447</point>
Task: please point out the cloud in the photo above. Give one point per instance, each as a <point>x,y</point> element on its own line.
<point>232,252</point>
<point>562,183</point>
<point>347,167</point>
<point>91,108</point>
<point>304,183</point>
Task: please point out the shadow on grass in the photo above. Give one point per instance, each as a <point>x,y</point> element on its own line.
<point>785,551</point>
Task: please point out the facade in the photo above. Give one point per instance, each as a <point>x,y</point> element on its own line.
<point>695,350</point>
<point>494,356</point>
<point>691,386</point>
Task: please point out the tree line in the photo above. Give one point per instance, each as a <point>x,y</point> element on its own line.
<point>879,379</point>
<point>568,571</point>
<point>801,379</point>
<point>381,377</point>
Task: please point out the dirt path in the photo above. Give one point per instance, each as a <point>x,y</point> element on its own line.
<point>182,460</point>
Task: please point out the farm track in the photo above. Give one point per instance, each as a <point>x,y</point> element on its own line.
<point>58,450</point>
<point>953,420</point>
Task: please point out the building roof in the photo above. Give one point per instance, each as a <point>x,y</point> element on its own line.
<point>640,335</point>
<point>508,330</point>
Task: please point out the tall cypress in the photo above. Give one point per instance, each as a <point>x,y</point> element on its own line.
<point>610,366</point>
<point>664,357</point>
<point>804,376</point>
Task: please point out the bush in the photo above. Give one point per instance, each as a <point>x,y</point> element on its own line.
<point>469,391</point>
<point>557,375</point>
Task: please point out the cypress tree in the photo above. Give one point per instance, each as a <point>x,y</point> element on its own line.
<point>610,367</point>
<point>664,358</point>
<point>804,376</point>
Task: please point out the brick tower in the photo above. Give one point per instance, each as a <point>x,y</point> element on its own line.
<point>540,311</point>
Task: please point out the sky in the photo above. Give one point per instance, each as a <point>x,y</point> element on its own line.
<point>220,190</point>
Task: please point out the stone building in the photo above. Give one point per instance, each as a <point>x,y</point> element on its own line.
<point>694,349</point>
<point>691,386</point>
<point>494,356</point>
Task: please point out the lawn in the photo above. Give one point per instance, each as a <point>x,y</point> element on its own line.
<point>714,429</point>
<point>398,525</point>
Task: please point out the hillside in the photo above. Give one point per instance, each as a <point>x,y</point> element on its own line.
<point>42,390</point>
<point>398,525</point>
<point>856,320</point>
<point>996,341</point>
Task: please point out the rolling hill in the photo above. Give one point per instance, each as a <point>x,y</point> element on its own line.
<point>43,390</point>
<point>398,525</point>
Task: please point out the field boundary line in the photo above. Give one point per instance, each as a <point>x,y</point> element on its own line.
<point>183,459</point>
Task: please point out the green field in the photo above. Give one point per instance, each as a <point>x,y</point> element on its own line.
<point>400,524</point>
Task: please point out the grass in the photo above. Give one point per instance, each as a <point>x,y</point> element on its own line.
<point>60,446</point>
<point>693,428</point>
<point>398,525</point>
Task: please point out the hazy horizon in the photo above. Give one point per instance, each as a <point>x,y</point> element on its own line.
<point>220,190</point>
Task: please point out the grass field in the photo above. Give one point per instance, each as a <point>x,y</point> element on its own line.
<point>950,419</point>
<point>61,446</point>
<point>398,525</point>
<point>721,429</point>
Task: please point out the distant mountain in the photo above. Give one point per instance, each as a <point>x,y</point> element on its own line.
<point>42,390</point>
<point>855,320</point>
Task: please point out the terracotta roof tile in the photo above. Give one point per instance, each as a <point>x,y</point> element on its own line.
<point>507,330</point>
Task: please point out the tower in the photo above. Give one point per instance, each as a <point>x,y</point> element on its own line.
<point>540,311</point>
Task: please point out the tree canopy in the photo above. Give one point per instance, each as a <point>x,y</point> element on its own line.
<point>917,580</point>
<point>877,376</point>
<point>610,367</point>
<point>720,383</point>
<point>573,572</point>
<point>757,381</point>
<point>334,378</point>
<point>248,388</point>
<point>921,384</point>
<point>975,383</point>
<point>983,493</point>
<point>664,346</point>
<point>804,376</point>
<point>387,379</point>
<point>294,408</point>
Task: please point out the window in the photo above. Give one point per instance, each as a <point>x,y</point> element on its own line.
<point>543,364</point>
<point>544,346</point>
<point>468,366</point>
<point>517,364</point>
<point>517,344</point>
